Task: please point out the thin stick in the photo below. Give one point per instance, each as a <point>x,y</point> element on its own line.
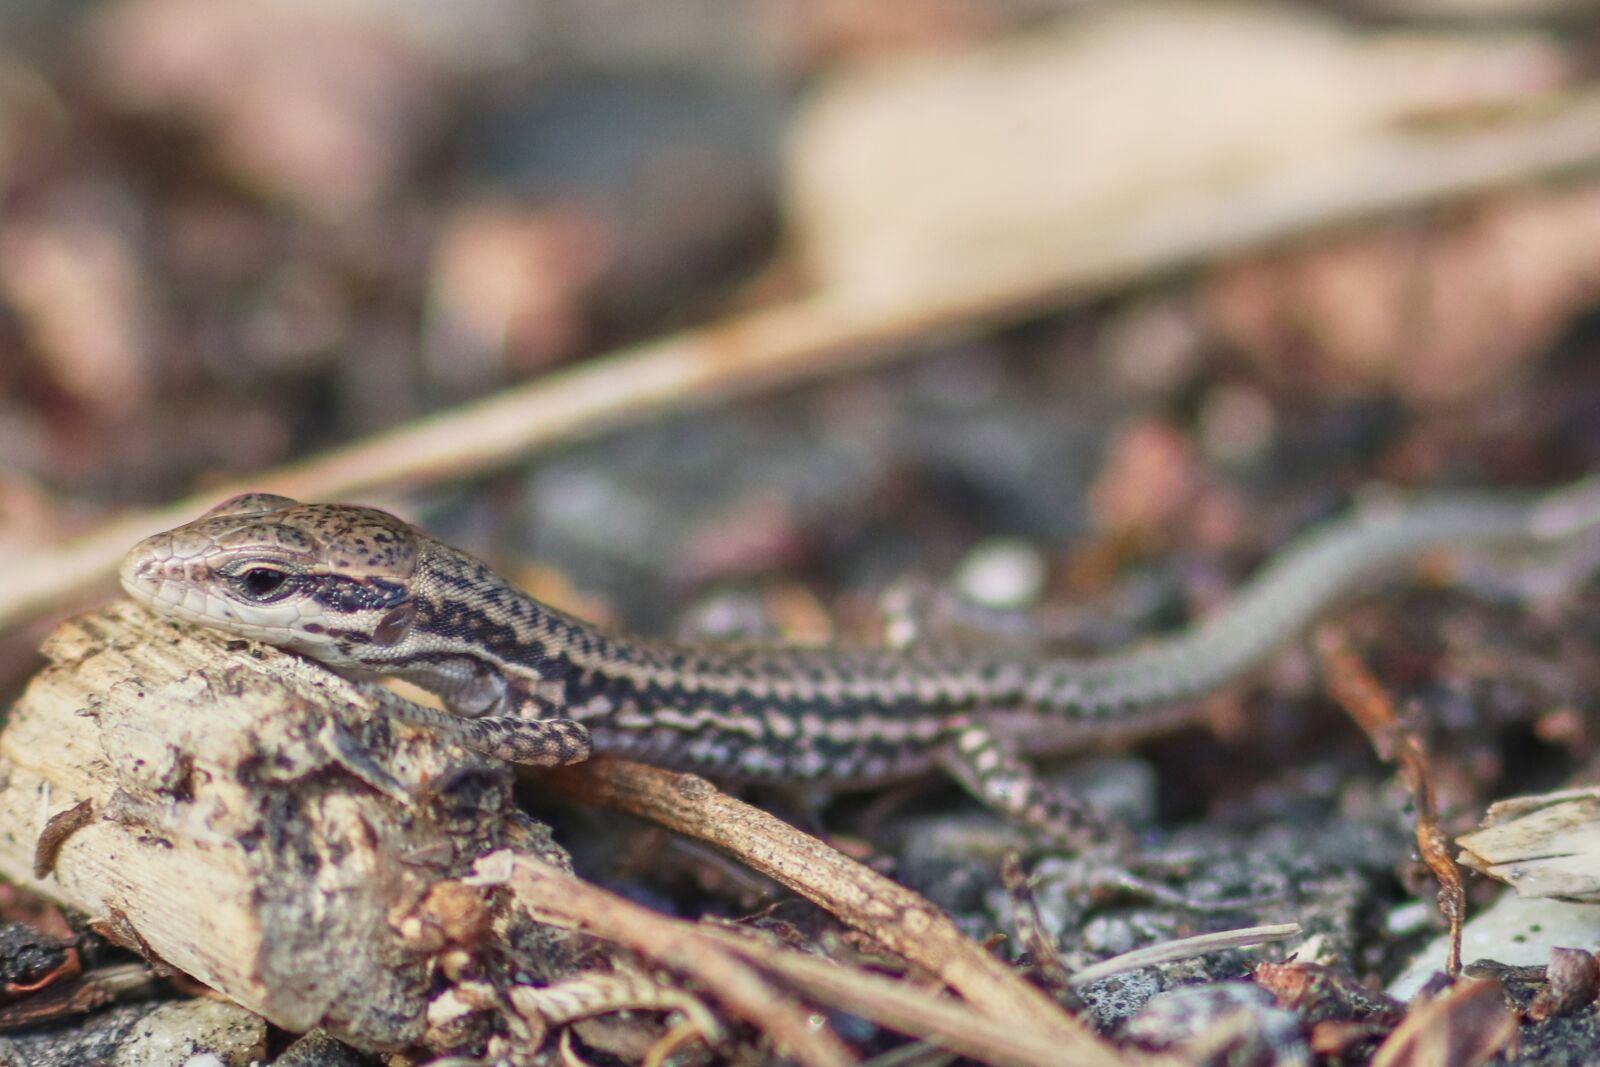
<point>1356,689</point>
<point>1183,948</point>
<point>553,896</point>
<point>950,1024</point>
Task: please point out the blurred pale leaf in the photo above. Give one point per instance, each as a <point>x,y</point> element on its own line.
<point>1034,156</point>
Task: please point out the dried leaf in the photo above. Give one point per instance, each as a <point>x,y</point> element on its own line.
<point>509,288</point>
<point>76,273</point>
<point>1150,476</point>
<point>1322,993</point>
<point>1469,1024</point>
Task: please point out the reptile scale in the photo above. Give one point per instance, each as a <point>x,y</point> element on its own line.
<point>368,594</point>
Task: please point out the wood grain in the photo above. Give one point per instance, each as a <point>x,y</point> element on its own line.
<point>232,834</point>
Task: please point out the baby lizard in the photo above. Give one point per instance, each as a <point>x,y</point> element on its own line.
<point>368,594</point>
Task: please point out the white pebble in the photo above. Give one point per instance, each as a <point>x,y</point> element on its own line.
<point>1002,573</point>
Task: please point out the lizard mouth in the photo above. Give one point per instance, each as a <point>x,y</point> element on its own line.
<point>155,575</point>
<point>170,583</point>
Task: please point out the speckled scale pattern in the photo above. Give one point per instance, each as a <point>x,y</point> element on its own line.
<point>368,593</point>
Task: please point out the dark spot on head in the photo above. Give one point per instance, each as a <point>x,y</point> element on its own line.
<point>392,628</point>
<point>350,595</point>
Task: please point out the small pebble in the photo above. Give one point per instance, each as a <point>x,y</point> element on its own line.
<point>1002,573</point>
<point>1408,918</point>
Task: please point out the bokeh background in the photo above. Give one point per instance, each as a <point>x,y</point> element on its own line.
<point>1175,277</point>
<point>1073,307</point>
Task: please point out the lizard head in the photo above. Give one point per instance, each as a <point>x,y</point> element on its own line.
<point>317,579</point>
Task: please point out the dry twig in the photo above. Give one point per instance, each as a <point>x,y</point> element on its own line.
<point>896,917</point>
<point>1031,935</point>
<point>1358,692</point>
<point>1184,948</point>
<point>555,897</point>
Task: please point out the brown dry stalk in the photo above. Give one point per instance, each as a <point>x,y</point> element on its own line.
<point>1358,692</point>
<point>900,920</point>
<point>1031,934</point>
<point>950,1024</point>
<point>553,896</point>
<point>717,958</point>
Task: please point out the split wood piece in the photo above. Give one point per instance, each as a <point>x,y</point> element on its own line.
<point>211,809</point>
<point>900,920</point>
<point>1541,846</point>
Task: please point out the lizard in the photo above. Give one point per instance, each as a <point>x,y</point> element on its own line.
<point>368,594</point>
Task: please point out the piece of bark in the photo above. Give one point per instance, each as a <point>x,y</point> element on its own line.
<point>253,820</point>
<point>257,823</point>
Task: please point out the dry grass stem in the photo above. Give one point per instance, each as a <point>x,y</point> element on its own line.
<point>950,1024</point>
<point>553,896</point>
<point>897,918</point>
<point>713,957</point>
<point>1184,948</point>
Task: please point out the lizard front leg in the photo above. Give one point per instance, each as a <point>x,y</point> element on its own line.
<point>975,758</point>
<point>528,742</point>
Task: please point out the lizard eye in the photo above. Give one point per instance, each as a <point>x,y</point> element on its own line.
<point>263,583</point>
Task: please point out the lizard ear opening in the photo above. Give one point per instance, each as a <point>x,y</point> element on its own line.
<point>392,628</point>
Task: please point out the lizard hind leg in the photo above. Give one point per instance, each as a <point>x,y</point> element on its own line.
<point>1006,783</point>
